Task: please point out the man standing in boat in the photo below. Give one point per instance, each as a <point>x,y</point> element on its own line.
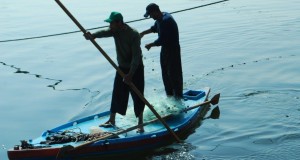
<point>129,57</point>
<point>168,39</point>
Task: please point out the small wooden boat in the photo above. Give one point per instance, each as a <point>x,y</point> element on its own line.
<point>83,139</point>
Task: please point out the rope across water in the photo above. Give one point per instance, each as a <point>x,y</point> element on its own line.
<point>59,34</point>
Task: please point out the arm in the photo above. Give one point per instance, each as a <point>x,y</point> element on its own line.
<point>99,34</point>
<point>145,32</point>
<point>167,31</point>
<point>148,46</point>
<point>153,29</point>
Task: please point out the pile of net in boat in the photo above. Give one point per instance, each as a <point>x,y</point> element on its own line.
<point>72,136</point>
<point>66,137</point>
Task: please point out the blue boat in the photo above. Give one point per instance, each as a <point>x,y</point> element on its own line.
<point>84,139</point>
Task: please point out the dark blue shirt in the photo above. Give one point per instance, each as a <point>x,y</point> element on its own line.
<point>167,31</point>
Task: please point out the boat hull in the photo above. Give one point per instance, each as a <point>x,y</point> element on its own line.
<point>129,146</point>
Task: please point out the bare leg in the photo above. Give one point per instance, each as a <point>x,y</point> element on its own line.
<point>111,121</point>
<point>140,119</point>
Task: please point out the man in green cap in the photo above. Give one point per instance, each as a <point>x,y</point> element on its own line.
<point>129,57</point>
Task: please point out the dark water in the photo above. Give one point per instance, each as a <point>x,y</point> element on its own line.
<point>246,50</point>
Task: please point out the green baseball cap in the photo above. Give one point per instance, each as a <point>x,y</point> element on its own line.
<point>114,16</point>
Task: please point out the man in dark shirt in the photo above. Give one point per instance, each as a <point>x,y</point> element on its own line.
<point>168,39</point>
<point>129,57</point>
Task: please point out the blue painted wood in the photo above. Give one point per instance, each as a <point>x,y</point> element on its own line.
<point>155,135</point>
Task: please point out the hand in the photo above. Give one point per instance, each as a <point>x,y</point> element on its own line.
<point>142,35</point>
<point>127,78</point>
<point>148,46</point>
<point>88,36</point>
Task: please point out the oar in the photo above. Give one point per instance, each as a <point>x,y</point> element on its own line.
<point>213,101</point>
<point>215,113</point>
<point>131,85</point>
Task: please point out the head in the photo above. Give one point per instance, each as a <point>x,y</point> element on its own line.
<point>153,11</point>
<point>115,21</point>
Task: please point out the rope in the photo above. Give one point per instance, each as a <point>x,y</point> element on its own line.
<point>65,33</point>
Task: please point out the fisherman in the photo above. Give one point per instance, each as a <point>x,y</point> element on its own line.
<point>129,57</point>
<point>168,39</point>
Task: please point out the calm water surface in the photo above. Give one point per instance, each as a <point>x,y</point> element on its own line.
<point>246,50</point>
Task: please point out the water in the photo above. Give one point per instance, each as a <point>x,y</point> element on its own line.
<point>246,50</point>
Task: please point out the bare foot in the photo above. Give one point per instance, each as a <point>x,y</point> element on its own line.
<point>140,130</point>
<point>107,124</point>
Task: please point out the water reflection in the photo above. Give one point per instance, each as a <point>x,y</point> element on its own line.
<point>175,151</point>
